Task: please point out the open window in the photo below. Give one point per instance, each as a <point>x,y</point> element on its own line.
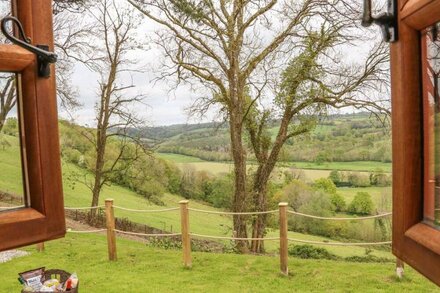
<point>415,65</point>
<point>40,216</point>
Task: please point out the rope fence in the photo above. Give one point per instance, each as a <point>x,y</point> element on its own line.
<point>85,231</point>
<point>233,213</point>
<point>147,235</point>
<point>11,208</point>
<point>186,235</point>
<point>145,211</point>
<point>83,208</point>
<point>339,243</point>
<point>232,238</point>
<point>339,219</point>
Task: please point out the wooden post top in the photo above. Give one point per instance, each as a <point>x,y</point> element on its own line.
<point>184,201</point>
<point>283,204</point>
<point>109,200</point>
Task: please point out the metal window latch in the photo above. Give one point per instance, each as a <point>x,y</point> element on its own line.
<point>386,20</point>
<point>44,57</point>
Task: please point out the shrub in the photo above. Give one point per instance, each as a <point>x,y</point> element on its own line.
<point>221,192</point>
<point>379,178</point>
<point>311,252</point>
<point>325,185</point>
<point>318,204</point>
<point>362,204</point>
<point>338,202</point>
<point>336,177</point>
<point>358,180</point>
<point>297,193</point>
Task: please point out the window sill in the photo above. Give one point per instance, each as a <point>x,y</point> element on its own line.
<point>426,236</point>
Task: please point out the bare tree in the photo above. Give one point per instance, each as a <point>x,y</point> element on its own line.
<point>7,80</point>
<point>7,96</point>
<point>70,45</point>
<point>114,32</point>
<point>70,5</point>
<point>235,49</point>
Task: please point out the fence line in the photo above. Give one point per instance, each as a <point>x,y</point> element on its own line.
<point>83,208</point>
<point>233,213</point>
<point>85,231</point>
<point>186,234</point>
<point>145,211</point>
<point>339,219</point>
<point>233,238</point>
<point>148,235</point>
<point>340,243</point>
<point>10,208</point>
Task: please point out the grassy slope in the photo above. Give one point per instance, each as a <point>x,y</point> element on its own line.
<point>366,166</point>
<point>200,223</point>
<point>144,269</point>
<point>10,179</point>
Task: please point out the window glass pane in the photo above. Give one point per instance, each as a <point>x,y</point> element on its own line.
<point>431,105</point>
<point>12,191</point>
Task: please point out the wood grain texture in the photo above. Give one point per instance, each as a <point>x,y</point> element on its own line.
<point>420,14</point>
<point>14,58</point>
<point>426,236</point>
<point>111,234</point>
<point>407,134</point>
<point>284,255</point>
<point>186,238</point>
<point>41,141</point>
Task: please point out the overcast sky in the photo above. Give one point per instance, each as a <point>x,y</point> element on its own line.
<point>163,107</point>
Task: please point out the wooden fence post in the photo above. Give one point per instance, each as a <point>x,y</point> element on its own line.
<point>186,240</point>
<point>283,239</point>
<point>40,247</point>
<point>111,234</point>
<point>400,266</point>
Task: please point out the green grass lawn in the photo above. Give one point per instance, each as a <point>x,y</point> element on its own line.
<point>145,269</point>
<point>11,178</point>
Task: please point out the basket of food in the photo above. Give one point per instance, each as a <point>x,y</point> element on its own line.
<point>41,280</point>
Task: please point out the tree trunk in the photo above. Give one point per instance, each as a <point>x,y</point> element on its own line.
<point>266,165</point>
<point>2,120</point>
<point>99,166</point>
<point>239,200</point>
<point>260,204</point>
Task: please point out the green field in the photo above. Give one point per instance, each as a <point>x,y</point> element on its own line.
<point>78,195</point>
<point>144,269</point>
<point>382,196</point>
<point>366,166</point>
<point>217,167</point>
<point>176,158</point>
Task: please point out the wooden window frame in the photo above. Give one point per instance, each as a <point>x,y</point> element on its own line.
<point>44,218</point>
<point>415,242</point>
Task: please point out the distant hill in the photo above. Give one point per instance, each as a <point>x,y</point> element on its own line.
<point>342,137</point>
<point>160,133</point>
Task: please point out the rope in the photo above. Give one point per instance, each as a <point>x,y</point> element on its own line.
<point>232,213</point>
<point>82,208</point>
<point>149,235</point>
<point>232,238</point>
<point>339,219</point>
<point>86,231</point>
<point>14,207</point>
<point>339,243</point>
<point>145,211</point>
